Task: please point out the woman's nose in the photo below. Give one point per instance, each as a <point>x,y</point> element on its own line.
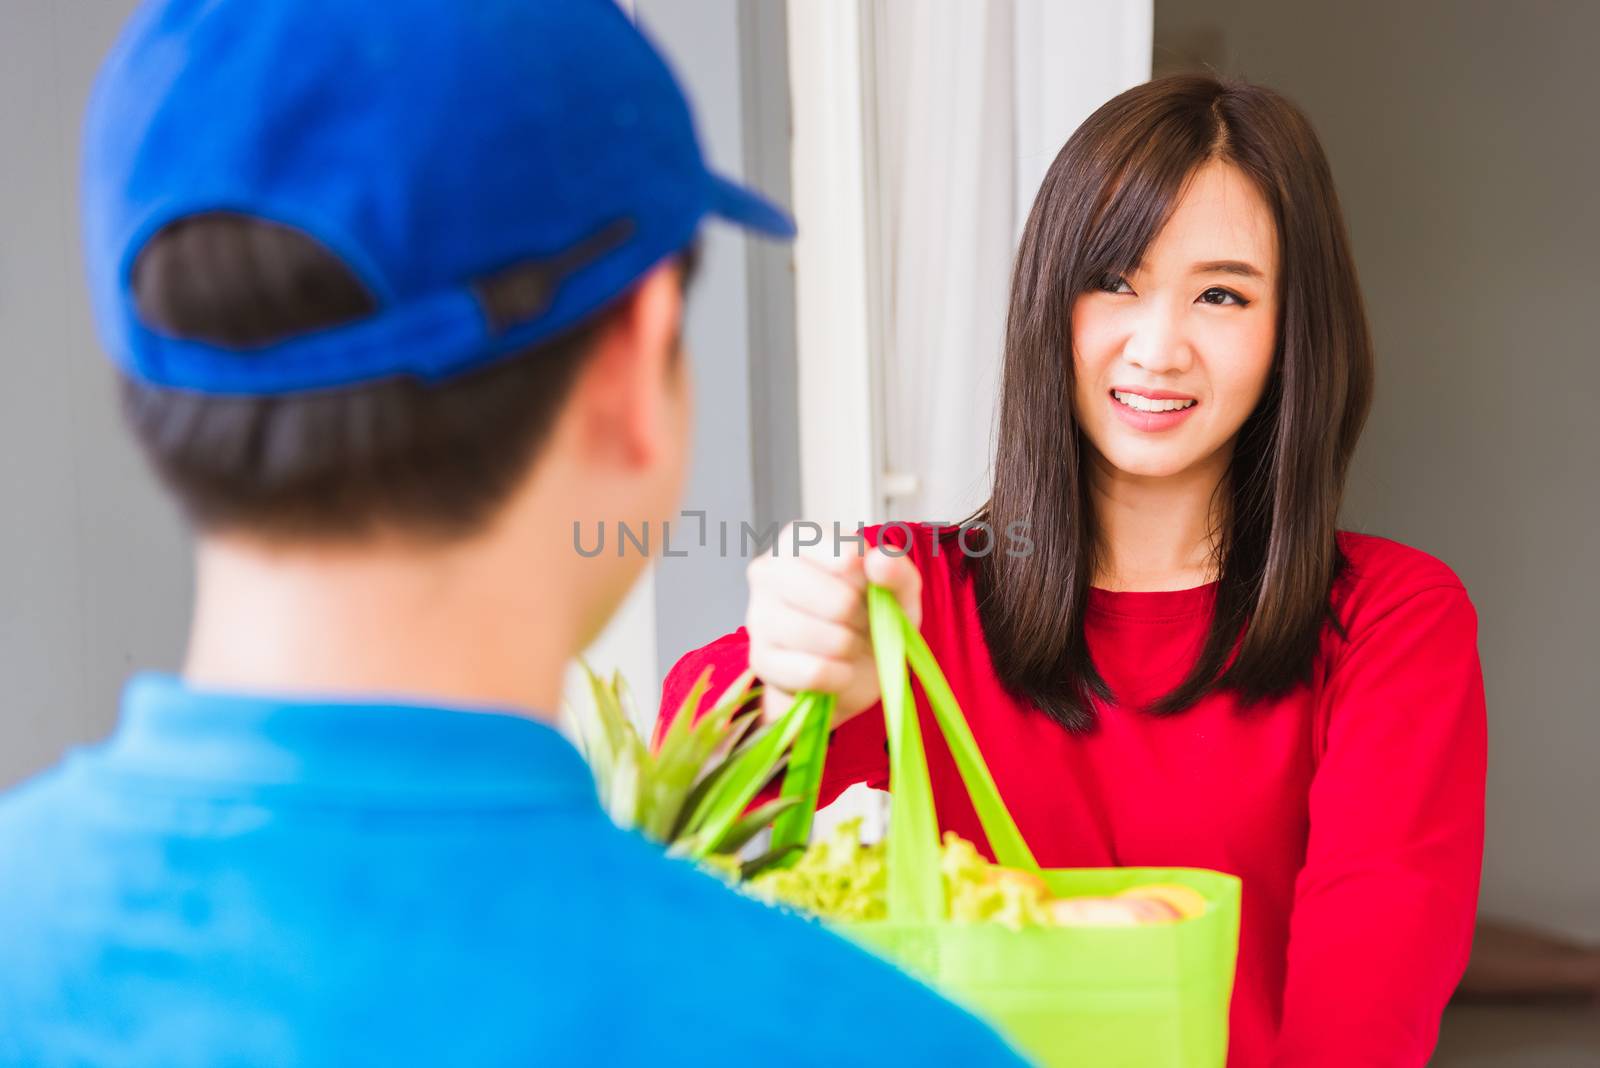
<point>1157,343</point>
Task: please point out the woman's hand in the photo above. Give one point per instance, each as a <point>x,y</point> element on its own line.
<point>807,621</point>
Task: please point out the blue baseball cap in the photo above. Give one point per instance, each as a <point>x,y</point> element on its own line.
<point>432,146</point>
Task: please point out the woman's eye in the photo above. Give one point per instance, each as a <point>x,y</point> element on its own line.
<point>1219,296</point>
<point>1113,283</point>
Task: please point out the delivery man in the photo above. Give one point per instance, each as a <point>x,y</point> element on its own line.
<point>395,290</point>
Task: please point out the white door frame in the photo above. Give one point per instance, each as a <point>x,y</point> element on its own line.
<point>840,450</point>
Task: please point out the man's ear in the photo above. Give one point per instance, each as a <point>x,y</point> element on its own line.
<point>630,380</point>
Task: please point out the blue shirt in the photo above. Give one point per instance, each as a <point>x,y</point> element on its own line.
<point>236,880</point>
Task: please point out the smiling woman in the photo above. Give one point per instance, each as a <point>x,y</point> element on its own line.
<point>1169,654</point>
<point>1200,234</point>
<point>1207,327</point>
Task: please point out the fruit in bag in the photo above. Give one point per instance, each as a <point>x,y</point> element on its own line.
<point>1186,901</point>
<point>839,879</point>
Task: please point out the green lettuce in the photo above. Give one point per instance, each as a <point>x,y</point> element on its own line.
<point>839,879</point>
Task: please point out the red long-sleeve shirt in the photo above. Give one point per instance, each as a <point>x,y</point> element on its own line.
<point>1352,809</point>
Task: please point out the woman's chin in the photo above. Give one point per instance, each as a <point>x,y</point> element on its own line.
<point>1150,460</point>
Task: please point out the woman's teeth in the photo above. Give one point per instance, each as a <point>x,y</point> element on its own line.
<point>1145,404</point>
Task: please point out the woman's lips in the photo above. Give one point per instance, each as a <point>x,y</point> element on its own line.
<point>1150,422</point>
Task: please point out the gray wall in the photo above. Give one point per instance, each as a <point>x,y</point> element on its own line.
<point>94,577</point>
<point>1463,140</point>
<point>732,57</point>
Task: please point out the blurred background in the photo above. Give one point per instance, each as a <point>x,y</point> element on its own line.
<point>851,377</point>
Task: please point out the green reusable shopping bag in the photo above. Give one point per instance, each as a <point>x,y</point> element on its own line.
<point>1142,997</point>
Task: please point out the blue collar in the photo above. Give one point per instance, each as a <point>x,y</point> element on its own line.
<point>174,737</point>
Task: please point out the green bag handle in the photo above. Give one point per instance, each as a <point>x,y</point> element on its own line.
<point>916,885</point>
<point>803,779</point>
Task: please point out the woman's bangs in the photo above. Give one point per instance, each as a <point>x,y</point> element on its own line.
<point>1139,198</point>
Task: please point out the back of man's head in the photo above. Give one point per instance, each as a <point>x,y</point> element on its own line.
<point>351,276</point>
<point>431,460</point>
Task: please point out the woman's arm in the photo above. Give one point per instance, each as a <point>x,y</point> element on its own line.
<point>1385,903</point>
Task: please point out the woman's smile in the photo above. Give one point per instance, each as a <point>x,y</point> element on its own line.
<point>1151,410</point>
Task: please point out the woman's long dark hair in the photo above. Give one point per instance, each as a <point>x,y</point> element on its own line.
<point>1104,199</point>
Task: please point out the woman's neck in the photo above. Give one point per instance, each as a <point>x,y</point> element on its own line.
<point>1157,533</point>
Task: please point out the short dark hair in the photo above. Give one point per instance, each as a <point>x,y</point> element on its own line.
<point>434,460</point>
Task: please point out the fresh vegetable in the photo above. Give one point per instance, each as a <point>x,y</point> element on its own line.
<point>980,892</point>
<point>692,789</point>
<point>841,880</point>
<point>837,878</point>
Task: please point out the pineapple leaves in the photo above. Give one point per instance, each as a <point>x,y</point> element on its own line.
<point>689,790</point>
<point>753,823</point>
<point>750,767</point>
<point>770,859</point>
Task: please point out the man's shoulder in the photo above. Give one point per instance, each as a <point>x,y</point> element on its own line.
<point>556,909</point>
<point>839,1000</point>
<point>31,811</point>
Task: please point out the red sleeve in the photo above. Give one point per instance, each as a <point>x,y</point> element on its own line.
<point>1384,905</point>
<point>856,751</point>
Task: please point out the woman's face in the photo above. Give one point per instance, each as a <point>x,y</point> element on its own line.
<point>1173,357</point>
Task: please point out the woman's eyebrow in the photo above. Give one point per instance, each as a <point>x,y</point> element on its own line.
<point>1240,267</point>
